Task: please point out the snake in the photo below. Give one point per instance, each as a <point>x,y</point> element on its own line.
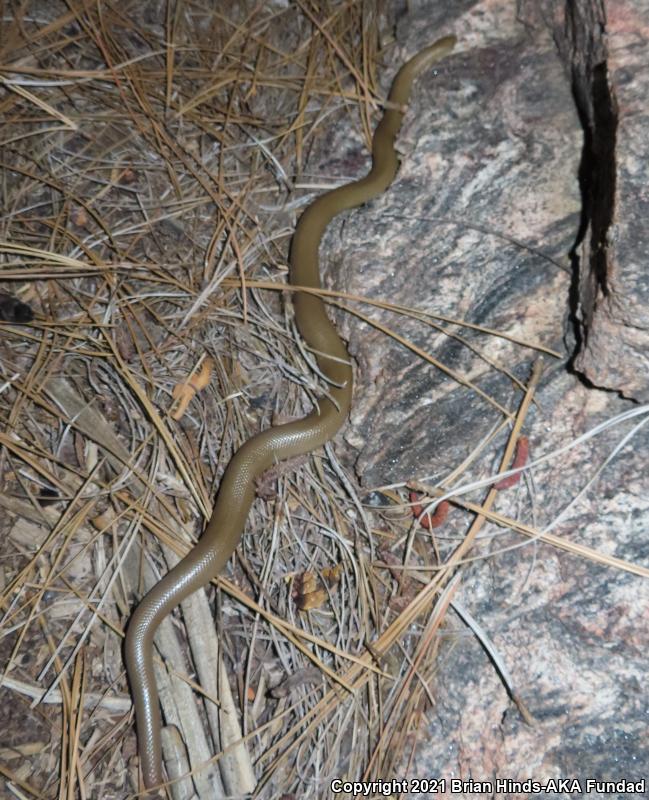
<point>236,492</point>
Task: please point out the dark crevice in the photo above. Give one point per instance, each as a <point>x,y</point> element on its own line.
<point>597,111</point>
<point>598,115</point>
<point>602,179</point>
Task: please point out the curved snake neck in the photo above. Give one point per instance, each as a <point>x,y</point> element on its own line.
<point>236,492</point>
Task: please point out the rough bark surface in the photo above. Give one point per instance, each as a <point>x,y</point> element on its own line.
<point>606,43</point>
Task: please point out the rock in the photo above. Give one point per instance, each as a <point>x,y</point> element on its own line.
<point>495,189</point>
<point>476,227</point>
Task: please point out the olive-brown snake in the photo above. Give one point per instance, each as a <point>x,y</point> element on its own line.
<point>236,492</point>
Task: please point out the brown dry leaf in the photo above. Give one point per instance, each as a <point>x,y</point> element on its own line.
<point>311,590</point>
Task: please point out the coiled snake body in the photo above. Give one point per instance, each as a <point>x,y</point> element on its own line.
<point>236,491</point>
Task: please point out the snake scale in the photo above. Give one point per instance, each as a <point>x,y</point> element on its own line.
<point>237,490</point>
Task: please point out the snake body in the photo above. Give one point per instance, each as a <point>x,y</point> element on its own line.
<point>236,492</point>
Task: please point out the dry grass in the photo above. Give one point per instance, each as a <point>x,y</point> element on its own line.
<point>150,156</point>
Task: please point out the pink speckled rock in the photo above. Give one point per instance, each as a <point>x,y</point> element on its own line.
<point>509,168</point>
